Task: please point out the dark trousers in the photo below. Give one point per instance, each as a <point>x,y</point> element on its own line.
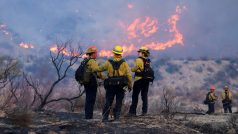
<point>139,86</point>
<point>211,108</point>
<point>111,92</point>
<point>227,106</point>
<point>91,93</point>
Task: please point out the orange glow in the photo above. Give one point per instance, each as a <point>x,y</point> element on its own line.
<point>178,37</point>
<point>130,6</point>
<point>26,45</point>
<point>126,50</point>
<point>64,51</point>
<point>143,28</point>
<point>140,27</point>
<point>105,53</point>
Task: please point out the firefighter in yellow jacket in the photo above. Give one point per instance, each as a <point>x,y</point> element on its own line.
<point>91,77</point>
<point>140,85</point>
<point>118,70</point>
<point>227,99</point>
<point>211,100</point>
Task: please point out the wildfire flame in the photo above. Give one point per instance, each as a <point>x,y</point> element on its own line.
<point>64,51</point>
<point>144,28</point>
<point>178,37</point>
<point>105,53</point>
<point>26,45</point>
<point>126,50</point>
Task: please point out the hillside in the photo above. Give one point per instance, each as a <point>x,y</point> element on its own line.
<point>189,80</point>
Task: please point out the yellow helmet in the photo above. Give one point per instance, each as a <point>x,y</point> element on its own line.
<point>117,49</point>
<point>226,87</point>
<point>144,50</point>
<point>91,49</point>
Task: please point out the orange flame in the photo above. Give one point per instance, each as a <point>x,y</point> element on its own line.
<point>126,50</point>
<point>178,37</point>
<point>105,53</point>
<point>146,28</point>
<point>64,51</point>
<point>26,45</point>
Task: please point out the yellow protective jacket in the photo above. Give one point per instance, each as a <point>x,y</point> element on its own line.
<point>212,97</point>
<point>124,70</point>
<point>229,95</point>
<point>138,67</point>
<point>92,67</point>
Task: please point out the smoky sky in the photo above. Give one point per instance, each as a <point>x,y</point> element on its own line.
<point>209,27</point>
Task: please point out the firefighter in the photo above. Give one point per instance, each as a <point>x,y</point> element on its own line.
<point>91,86</point>
<point>211,100</point>
<point>114,90</point>
<point>227,99</point>
<point>140,85</point>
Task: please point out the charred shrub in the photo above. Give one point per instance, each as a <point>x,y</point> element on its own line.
<point>209,69</point>
<point>199,69</point>
<point>172,68</point>
<point>233,121</point>
<point>22,117</point>
<point>218,61</point>
<point>169,103</point>
<point>231,70</point>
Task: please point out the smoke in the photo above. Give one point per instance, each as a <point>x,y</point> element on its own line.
<point>209,28</point>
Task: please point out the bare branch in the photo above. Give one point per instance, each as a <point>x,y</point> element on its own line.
<point>34,85</point>
<point>65,57</point>
<point>66,99</point>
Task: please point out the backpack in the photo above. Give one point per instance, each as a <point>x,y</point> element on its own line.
<point>147,73</point>
<point>81,75</point>
<point>120,81</point>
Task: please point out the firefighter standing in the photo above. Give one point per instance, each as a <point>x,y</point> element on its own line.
<point>112,91</point>
<point>211,100</point>
<point>140,85</point>
<point>91,86</point>
<point>227,99</point>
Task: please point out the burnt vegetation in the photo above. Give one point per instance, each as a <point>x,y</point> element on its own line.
<point>48,85</point>
<point>21,92</point>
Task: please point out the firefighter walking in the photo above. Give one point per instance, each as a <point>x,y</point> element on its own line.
<point>112,89</point>
<point>140,85</point>
<point>227,99</point>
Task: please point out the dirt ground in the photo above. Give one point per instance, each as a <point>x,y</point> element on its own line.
<point>70,123</point>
